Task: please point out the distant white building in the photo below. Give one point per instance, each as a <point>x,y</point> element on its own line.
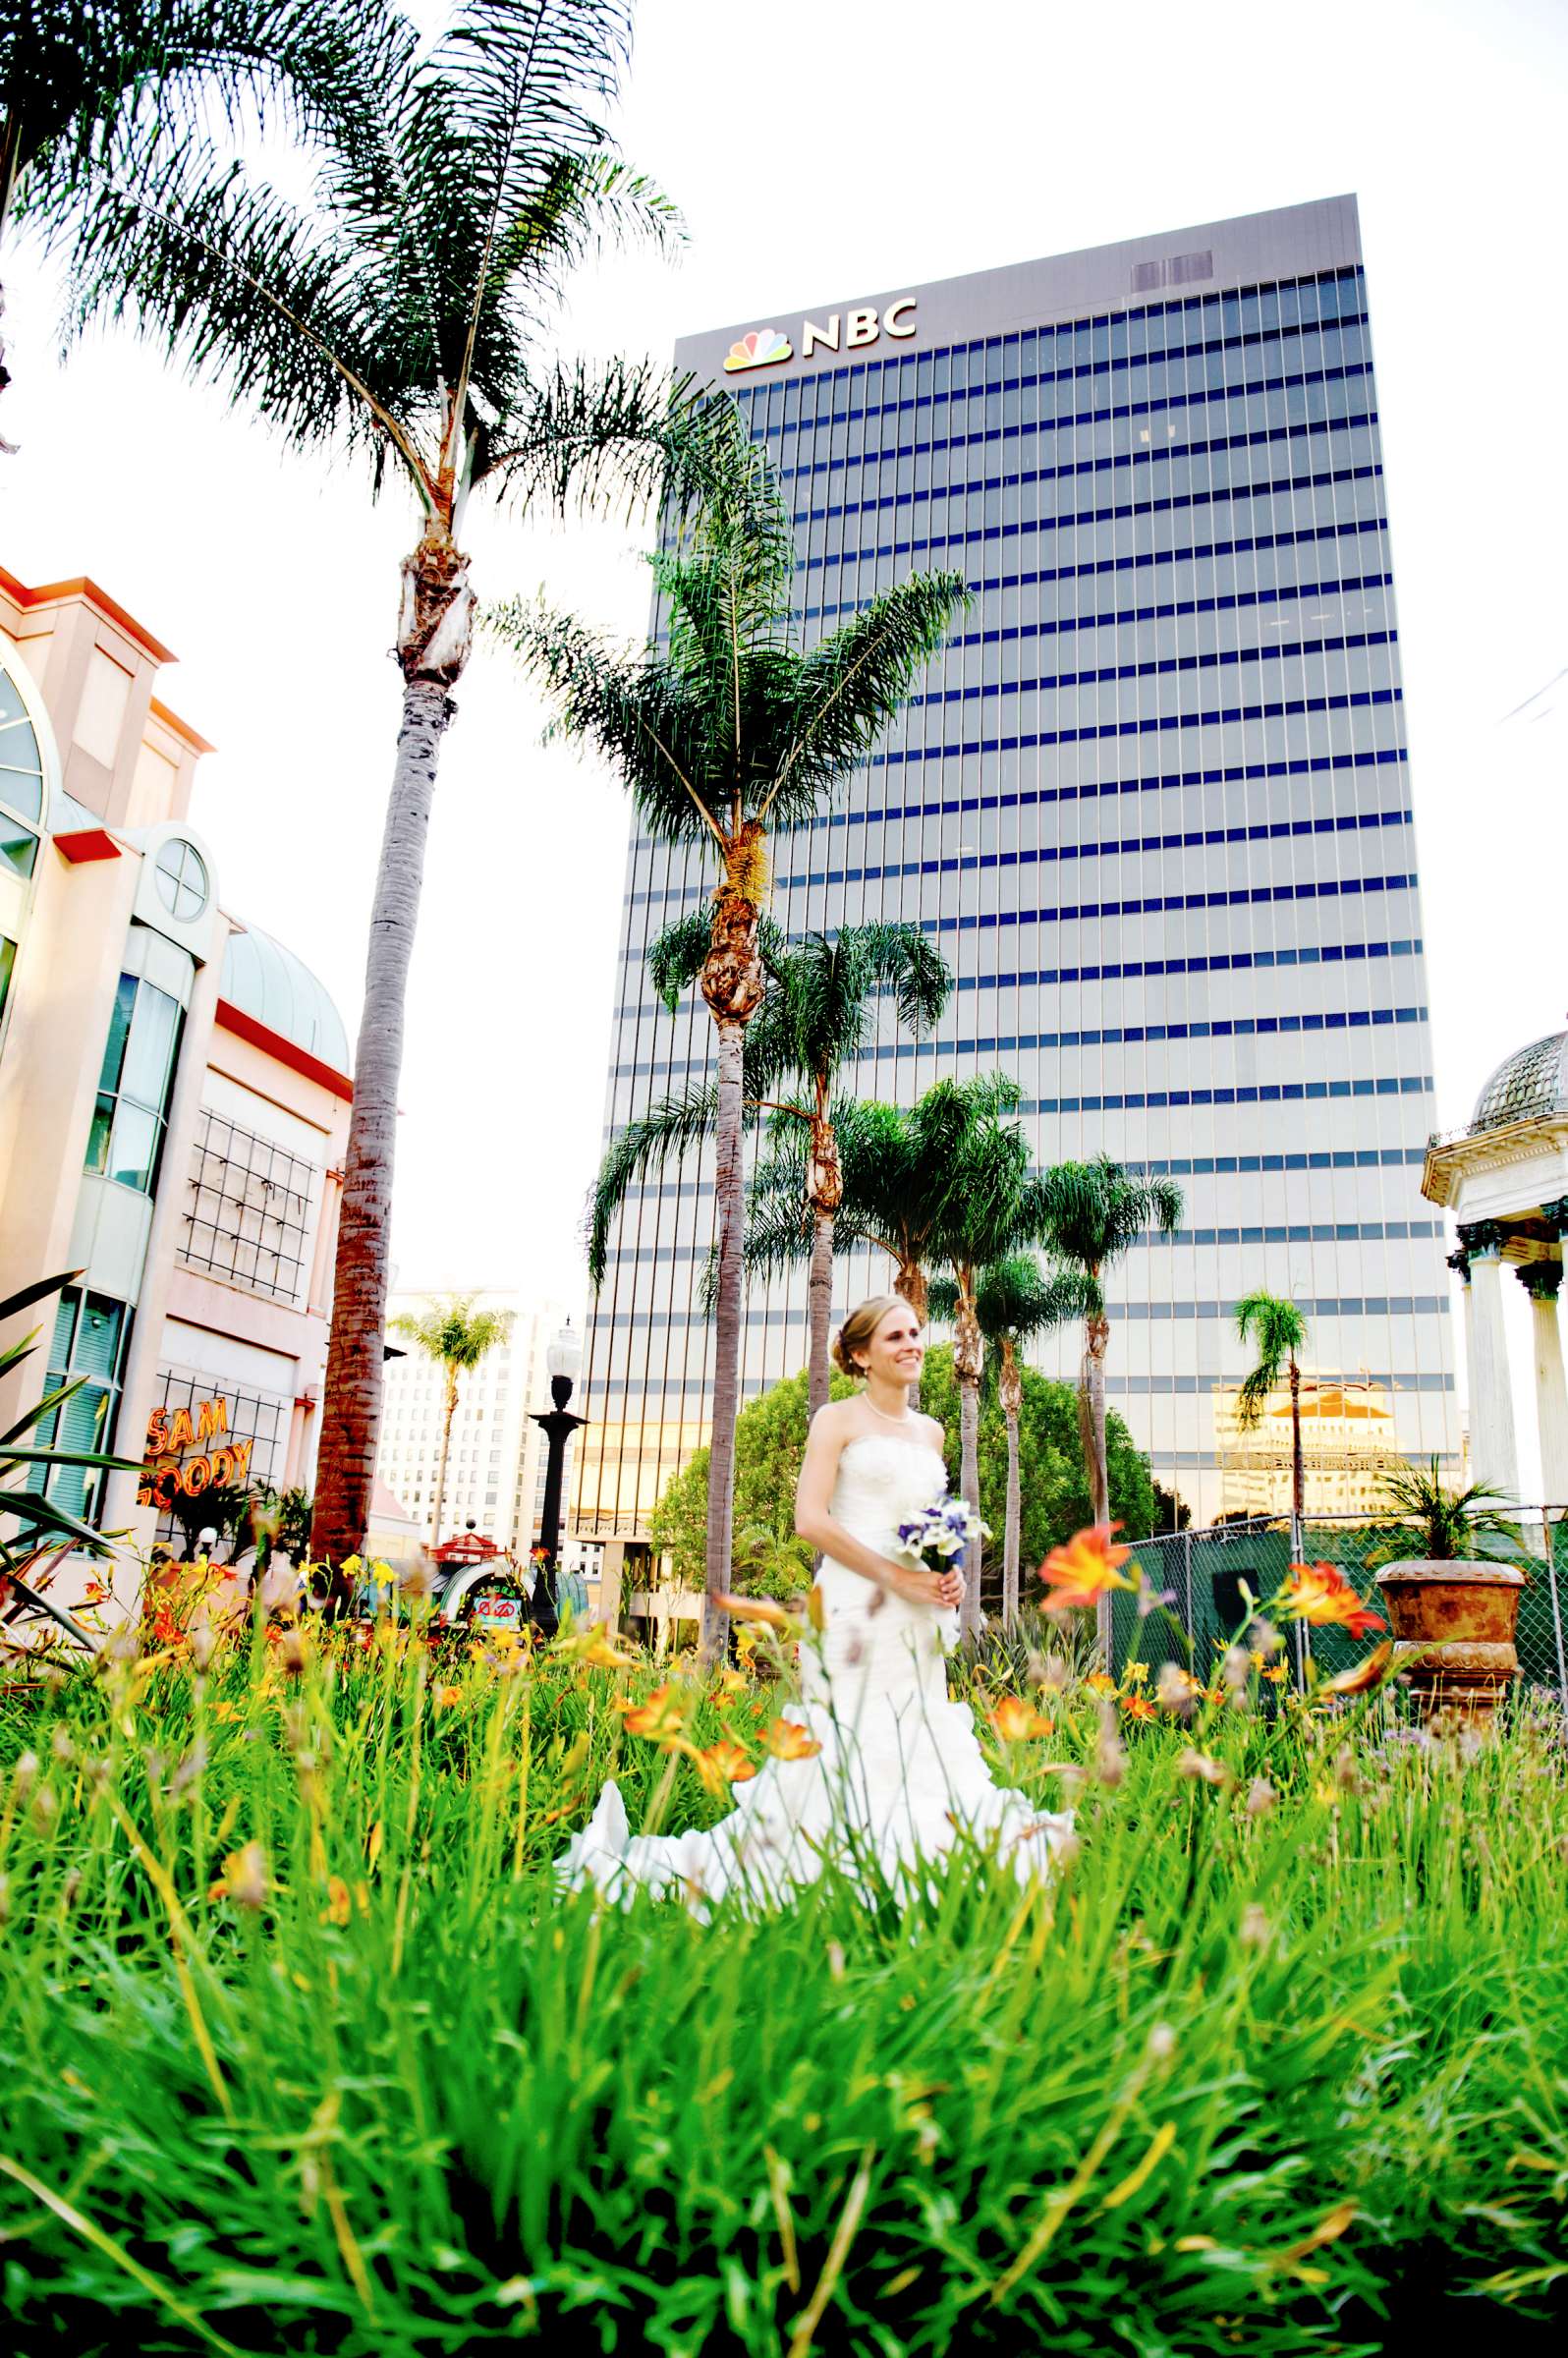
<point>496,1466</point>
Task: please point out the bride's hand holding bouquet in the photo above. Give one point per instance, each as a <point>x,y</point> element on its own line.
<point>931,1544</point>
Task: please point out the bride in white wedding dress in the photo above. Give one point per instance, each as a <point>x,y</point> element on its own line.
<point>899,1776</point>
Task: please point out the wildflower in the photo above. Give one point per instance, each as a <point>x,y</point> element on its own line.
<point>1174,1691</point>
<point>1200,1766</point>
<point>1139,1706</point>
<point>730,1682</point>
<point>1162,2042</point>
<point>204,1645</point>
<point>723,1763</point>
<point>1099,1682</point>
<point>1261,1797</point>
<point>244,1878</point>
<point>25,1774</point>
<point>1362,1676</point>
<point>278,1588</point>
<point>1135,1674</point>
<point>61,1745</point>
<point>1084,1568</point>
<point>224,1710</point>
<point>788,1740</point>
<point>1017,1722</point>
<point>95,1593</point>
<point>1065,1848</point>
<point>445,1695</point>
<point>1322,1595</point>
<point>294,1651</point>
<point>1347,1777</point>
<point>338,1904</point>
<point>662,1719</point>
<point>601,1651</point>
<point>1264,1638</point>
<point>1236,1672</point>
<point>415,1584</point>
<point>1276,1673</point>
<point>1256,1930</point>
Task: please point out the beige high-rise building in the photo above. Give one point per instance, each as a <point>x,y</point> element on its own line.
<point>496,1465</point>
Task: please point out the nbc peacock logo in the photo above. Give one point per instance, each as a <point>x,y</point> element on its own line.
<point>759,350</point>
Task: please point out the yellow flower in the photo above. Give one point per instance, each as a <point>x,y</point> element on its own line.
<point>662,1719</point>
<point>1139,1706</point>
<point>1135,1674</point>
<point>244,1878</point>
<point>1276,1673</point>
<point>1017,1722</point>
<point>445,1697</point>
<point>723,1763</point>
<point>338,1904</point>
<point>1101,1682</point>
<point>788,1740</point>
<point>754,1609</point>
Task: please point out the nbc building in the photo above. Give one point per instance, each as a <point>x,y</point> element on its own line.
<point>1153,805</point>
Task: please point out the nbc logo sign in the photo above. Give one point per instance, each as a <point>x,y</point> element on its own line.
<point>849,331</point>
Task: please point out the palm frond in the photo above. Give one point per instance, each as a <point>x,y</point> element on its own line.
<point>670,1128</point>
<point>675,956</point>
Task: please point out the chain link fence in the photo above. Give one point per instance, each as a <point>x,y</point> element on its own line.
<point>1199,1575</point>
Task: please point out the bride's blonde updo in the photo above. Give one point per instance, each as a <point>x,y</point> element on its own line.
<point>857,1329</point>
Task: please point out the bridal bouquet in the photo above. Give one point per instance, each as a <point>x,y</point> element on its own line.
<point>940,1532</point>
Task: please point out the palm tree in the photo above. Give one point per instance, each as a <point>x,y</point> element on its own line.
<point>1278,1331</point>
<point>457,1335</point>
<point>1015,1301</point>
<point>724,733</point>
<point>84,90</point>
<point>397,312</point>
<point>815,1019</point>
<point>1092,1211</point>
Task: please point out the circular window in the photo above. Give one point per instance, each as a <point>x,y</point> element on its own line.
<point>181,874</point>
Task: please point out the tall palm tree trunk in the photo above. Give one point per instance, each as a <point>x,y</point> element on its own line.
<point>446,1444</point>
<point>1091,1432</point>
<point>824,1186</point>
<point>819,1301</point>
<point>1011,1388</point>
<point>968,1364</point>
<point>435,633</point>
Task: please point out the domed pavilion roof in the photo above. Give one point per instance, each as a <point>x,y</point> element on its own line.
<point>1529,1084</point>
<point>266,981</point>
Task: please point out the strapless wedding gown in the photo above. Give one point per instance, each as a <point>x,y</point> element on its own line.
<point>900,1776</point>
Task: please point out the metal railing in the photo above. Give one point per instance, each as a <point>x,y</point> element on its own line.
<point>1199,1575</point>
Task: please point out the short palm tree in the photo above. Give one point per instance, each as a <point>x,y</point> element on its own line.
<point>398,311</point>
<point>1442,1526</point>
<point>1016,1302</point>
<point>726,732</point>
<point>815,1015</point>
<point>1091,1213</point>
<point>1278,1331</point>
<point>456,1334</point>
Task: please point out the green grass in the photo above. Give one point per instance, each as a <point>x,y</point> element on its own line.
<point>1252,2080</point>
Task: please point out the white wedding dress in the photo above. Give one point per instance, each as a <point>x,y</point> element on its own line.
<point>900,1776</point>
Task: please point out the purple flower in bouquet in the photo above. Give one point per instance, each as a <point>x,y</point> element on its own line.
<point>936,1535</point>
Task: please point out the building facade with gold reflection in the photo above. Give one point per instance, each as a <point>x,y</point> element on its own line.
<point>1350,1441</point>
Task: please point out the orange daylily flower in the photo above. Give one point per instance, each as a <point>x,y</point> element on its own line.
<point>602,1653</point>
<point>1017,1722</point>
<point>1084,1568</point>
<point>788,1740</point>
<point>662,1719</point>
<point>1139,1706</point>
<point>445,1697</point>
<point>752,1609</point>
<point>1322,1595</point>
<point>1101,1682</point>
<point>723,1763</point>
<point>338,1904</point>
<point>244,1878</point>
<point>1362,1676</point>
<point>1276,1673</point>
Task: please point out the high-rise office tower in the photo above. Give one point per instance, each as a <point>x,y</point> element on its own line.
<point>1153,803</point>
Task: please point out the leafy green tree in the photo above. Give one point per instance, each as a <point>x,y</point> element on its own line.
<point>728,731</point>
<point>456,1334</point>
<point>815,1015</point>
<point>1014,1302</point>
<point>1278,1334</point>
<point>770,1442</point>
<point>397,311</point>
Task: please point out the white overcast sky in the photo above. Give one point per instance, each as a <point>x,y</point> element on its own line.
<point>820,149</point>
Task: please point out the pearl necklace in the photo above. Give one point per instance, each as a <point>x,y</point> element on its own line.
<point>905,1419</point>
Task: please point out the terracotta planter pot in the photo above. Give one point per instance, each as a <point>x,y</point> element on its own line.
<point>1453,1626</point>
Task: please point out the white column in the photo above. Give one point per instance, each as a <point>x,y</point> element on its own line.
<point>1493,1458</point>
<point>1541,1281</point>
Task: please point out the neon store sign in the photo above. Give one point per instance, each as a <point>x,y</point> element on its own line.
<point>842,331</point>
<point>169,1470</point>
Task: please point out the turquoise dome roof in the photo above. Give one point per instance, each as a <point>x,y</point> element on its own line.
<point>264,979</point>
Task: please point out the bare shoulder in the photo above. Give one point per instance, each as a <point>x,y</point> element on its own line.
<point>836,1419</point>
<point>935,1432</point>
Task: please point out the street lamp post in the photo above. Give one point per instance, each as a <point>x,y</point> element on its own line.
<point>563,1362</point>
